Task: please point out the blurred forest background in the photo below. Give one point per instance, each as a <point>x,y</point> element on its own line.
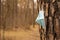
<point>18,15</point>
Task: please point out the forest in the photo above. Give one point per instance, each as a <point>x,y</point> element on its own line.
<point>17,20</point>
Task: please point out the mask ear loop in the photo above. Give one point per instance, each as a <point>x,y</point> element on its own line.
<point>41,6</point>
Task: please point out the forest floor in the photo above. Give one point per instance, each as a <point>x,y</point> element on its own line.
<point>32,34</point>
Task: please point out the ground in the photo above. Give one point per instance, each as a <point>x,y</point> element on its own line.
<point>32,34</point>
